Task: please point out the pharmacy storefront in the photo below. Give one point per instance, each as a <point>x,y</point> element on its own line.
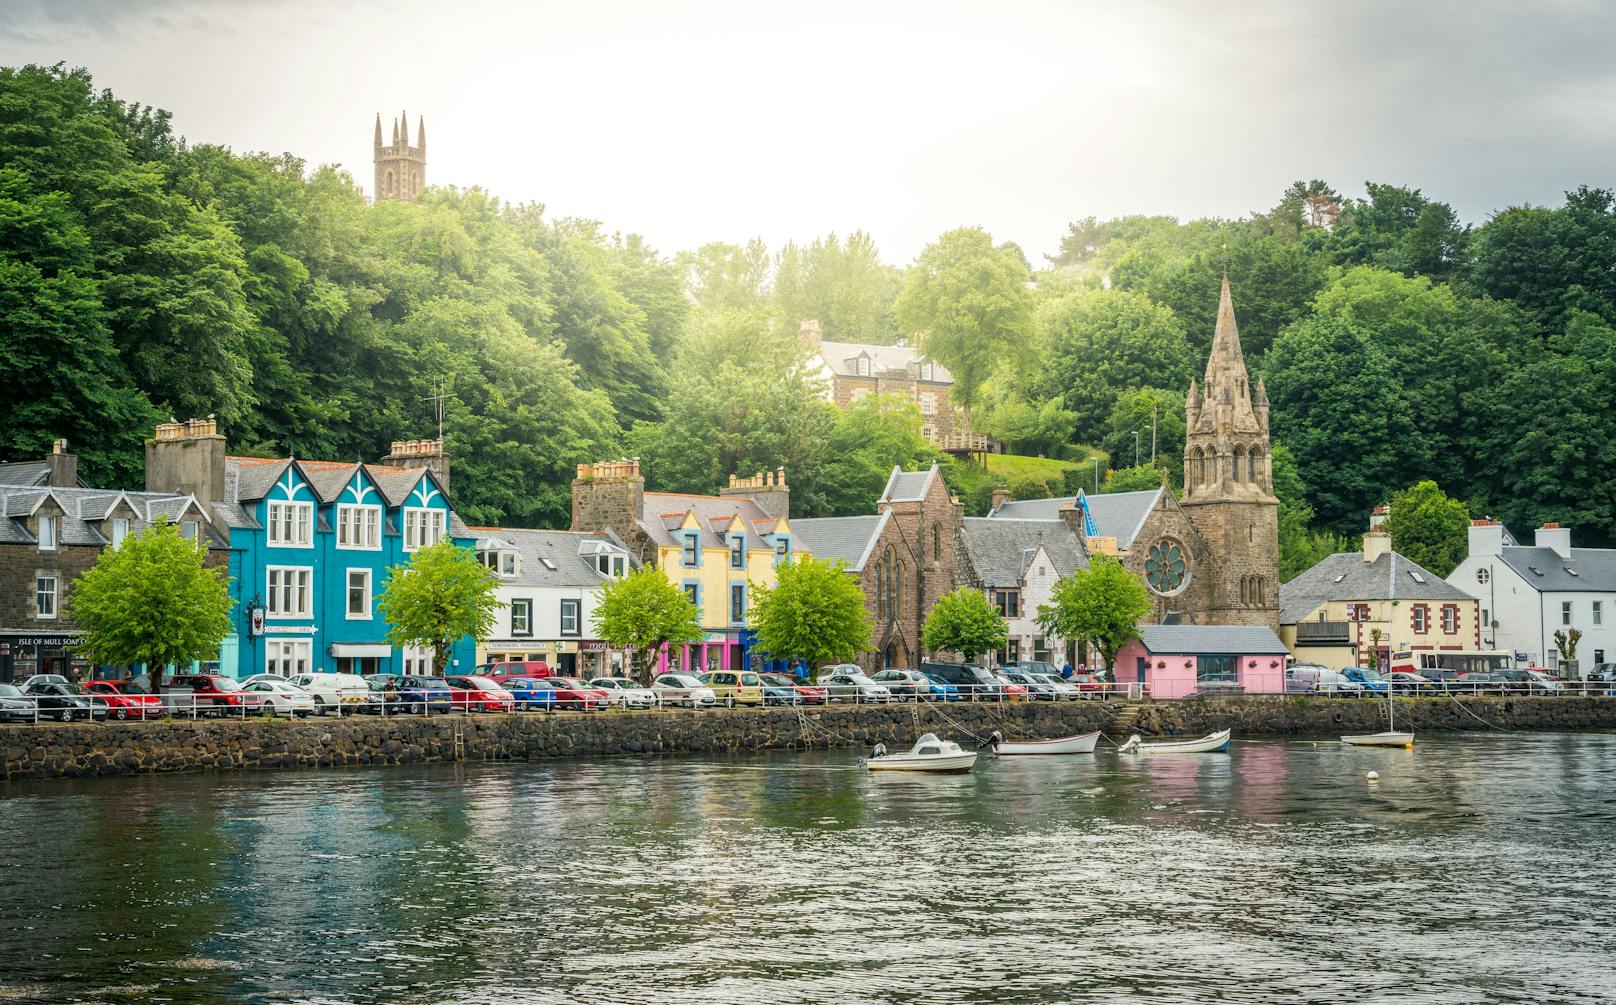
<point>585,658</point>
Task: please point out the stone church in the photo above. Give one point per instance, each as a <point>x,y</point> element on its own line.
<point>400,168</point>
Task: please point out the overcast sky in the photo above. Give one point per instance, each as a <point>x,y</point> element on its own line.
<point>714,120</point>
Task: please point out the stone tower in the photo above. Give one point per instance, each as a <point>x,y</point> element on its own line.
<point>1228,485</point>
<point>400,168</point>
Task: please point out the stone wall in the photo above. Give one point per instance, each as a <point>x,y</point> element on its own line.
<point>48,751</point>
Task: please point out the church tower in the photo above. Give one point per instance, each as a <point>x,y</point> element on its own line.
<point>1229,487</point>
<point>400,168</point>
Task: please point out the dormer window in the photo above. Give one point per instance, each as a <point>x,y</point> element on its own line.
<point>120,531</point>
<point>689,552</point>
<point>737,552</point>
<point>928,370</point>
<point>47,533</point>
<point>782,549</point>
<point>863,366</point>
<point>611,565</point>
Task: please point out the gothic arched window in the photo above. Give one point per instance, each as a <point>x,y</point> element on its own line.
<point>1245,591</point>
<point>1262,591</point>
<point>1255,463</point>
<point>936,543</point>
<point>1239,462</point>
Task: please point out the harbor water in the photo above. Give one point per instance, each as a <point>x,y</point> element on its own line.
<point>1475,869</point>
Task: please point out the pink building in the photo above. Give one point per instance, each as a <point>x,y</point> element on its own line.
<point>1177,661</point>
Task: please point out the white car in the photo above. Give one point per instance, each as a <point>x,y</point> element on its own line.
<point>624,693</point>
<point>683,689</point>
<point>255,678</point>
<point>331,690</point>
<point>843,684</point>
<point>277,697</point>
<point>1065,690</point>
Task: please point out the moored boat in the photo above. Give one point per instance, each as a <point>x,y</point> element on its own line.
<point>1388,738</point>
<point>929,754</point>
<point>1082,743</point>
<point>1212,743</point>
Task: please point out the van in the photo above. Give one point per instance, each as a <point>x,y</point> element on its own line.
<point>501,672</point>
<point>1313,677</point>
<point>973,681</point>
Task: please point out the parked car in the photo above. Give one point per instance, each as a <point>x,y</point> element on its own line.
<point>1406,682</point>
<point>1032,685</point>
<point>1482,682</point>
<point>973,681</point>
<point>624,693</point>
<point>501,671</point>
<point>1312,677</point>
<point>1372,680</point>
<point>126,699</point>
<point>383,697</point>
<point>1535,680</point>
<point>205,694</point>
<point>903,684</point>
<point>801,694</point>
<point>333,691</point>
<point>1602,673</point>
<point>479,694</point>
<point>574,695</point>
<point>1090,685</point>
<point>419,695</point>
<point>1064,689</point>
<point>265,676</point>
<point>65,702</point>
<point>16,706</point>
<point>683,689</point>
<point>734,687</point>
<point>43,678</point>
<point>778,689</point>
<point>942,690</point>
<point>531,693</point>
<point>848,683</point>
<point>277,697</point>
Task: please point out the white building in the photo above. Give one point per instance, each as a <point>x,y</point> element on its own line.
<point>1528,593</point>
<point>1017,563</point>
<point>550,582</point>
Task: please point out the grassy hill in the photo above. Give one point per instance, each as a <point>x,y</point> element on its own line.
<point>1026,477</point>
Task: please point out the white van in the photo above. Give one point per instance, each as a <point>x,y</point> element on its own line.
<point>333,689</point>
<point>1314,677</point>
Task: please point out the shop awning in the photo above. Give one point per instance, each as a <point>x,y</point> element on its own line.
<point>360,650</point>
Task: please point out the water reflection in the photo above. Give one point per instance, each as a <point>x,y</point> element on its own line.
<point>1278,873</point>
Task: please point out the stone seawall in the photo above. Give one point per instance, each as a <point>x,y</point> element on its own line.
<point>51,750</point>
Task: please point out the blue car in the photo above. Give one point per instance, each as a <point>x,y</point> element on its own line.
<point>421,694</point>
<point>1371,680</point>
<point>531,693</point>
<point>942,690</point>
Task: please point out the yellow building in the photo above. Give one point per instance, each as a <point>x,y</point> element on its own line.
<point>1357,608</point>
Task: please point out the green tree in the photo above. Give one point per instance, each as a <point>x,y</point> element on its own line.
<point>1300,546</point>
<point>1025,426</point>
<point>1145,411</point>
<point>970,303</point>
<point>442,595</point>
<point>1100,606</point>
<point>644,611</point>
<point>1134,479</point>
<point>728,277</point>
<point>1399,228</point>
<point>841,284</point>
<point>1428,527</point>
<point>815,612</point>
<point>1103,343</point>
<point>152,601</point>
<point>964,622</point>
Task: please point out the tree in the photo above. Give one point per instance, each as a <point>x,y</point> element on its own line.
<point>1147,411</point>
<point>1429,528</point>
<point>644,611</point>
<point>1566,641</point>
<point>815,612</point>
<point>1300,546</point>
<point>1100,606</point>
<point>152,601</point>
<point>724,276</point>
<point>1134,479</point>
<point>841,284</point>
<point>970,302</point>
<point>441,596</point>
<point>964,622</point>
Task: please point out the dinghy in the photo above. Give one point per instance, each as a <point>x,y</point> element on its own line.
<point>943,757</point>
<point>1389,738</point>
<point>1083,743</point>
<point>1214,743</point>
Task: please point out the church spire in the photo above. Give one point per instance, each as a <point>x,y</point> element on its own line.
<point>420,132</point>
<point>378,130</point>
<point>404,139</point>
<point>1226,354</point>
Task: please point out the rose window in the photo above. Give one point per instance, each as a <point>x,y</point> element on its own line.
<point>1165,567</point>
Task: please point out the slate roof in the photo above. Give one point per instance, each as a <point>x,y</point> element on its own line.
<point>842,359</point>
<point>564,549</point>
<point>1116,514</point>
<point>249,479</point>
<point>1594,568</point>
<point>1389,577</point>
<point>849,538</point>
<point>1000,549</point>
<point>908,486</point>
<point>24,472</point>
<point>664,512</point>
<point>84,510</point>
<point>1211,640</point>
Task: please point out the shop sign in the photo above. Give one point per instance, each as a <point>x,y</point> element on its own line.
<point>594,647</point>
<point>290,630</point>
<point>48,641</point>
<point>716,637</point>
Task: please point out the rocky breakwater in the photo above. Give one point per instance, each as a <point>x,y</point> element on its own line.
<point>78,749</point>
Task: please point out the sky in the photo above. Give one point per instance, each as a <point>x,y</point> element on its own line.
<point>719,120</point>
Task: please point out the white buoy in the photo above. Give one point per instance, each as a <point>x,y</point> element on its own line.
<point>1374,776</point>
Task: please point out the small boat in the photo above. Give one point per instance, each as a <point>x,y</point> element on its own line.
<point>943,757</point>
<point>1213,743</point>
<point>1083,743</point>
<point>1389,738</point>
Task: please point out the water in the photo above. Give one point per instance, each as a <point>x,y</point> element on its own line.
<point>1475,870</point>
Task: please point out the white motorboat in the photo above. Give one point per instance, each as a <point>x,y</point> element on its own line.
<point>928,754</point>
<point>1388,738</point>
<point>1082,743</point>
<point>1213,743</point>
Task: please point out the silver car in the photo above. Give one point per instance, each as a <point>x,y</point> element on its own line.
<point>624,693</point>
<point>851,685</point>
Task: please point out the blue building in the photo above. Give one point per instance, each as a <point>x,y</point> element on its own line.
<point>310,544</point>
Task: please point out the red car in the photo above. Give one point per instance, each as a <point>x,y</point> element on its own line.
<point>1088,685</point>
<point>572,693</point>
<point>480,694</point>
<point>126,699</point>
<point>807,694</point>
<point>209,694</point>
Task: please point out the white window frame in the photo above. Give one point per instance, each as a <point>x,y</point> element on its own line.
<point>289,657</point>
<point>359,527</point>
<point>1565,612</point>
<point>507,565</point>
<point>863,366</point>
<point>417,661</point>
<point>1599,612</point>
<point>928,404</point>
<point>524,627</point>
<point>301,586</point>
<point>120,531</point>
<point>576,608</point>
<point>46,587</point>
<point>49,532</point>
<point>420,523</point>
<point>289,523</point>
<point>348,595</point>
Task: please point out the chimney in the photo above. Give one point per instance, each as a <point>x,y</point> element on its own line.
<point>427,454</point>
<point>766,488</point>
<point>609,495</point>
<point>1375,544</point>
<point>1486,538</point>
<point>1556,538</point>
<point>187,457</point>
<point>809,332</point>
<point>1001,495</point>
<point>64,467</point>
<point>1378,515</point>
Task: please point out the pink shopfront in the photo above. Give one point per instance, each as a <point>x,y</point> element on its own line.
<point>730,650</point>
<point>1180,661</point>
